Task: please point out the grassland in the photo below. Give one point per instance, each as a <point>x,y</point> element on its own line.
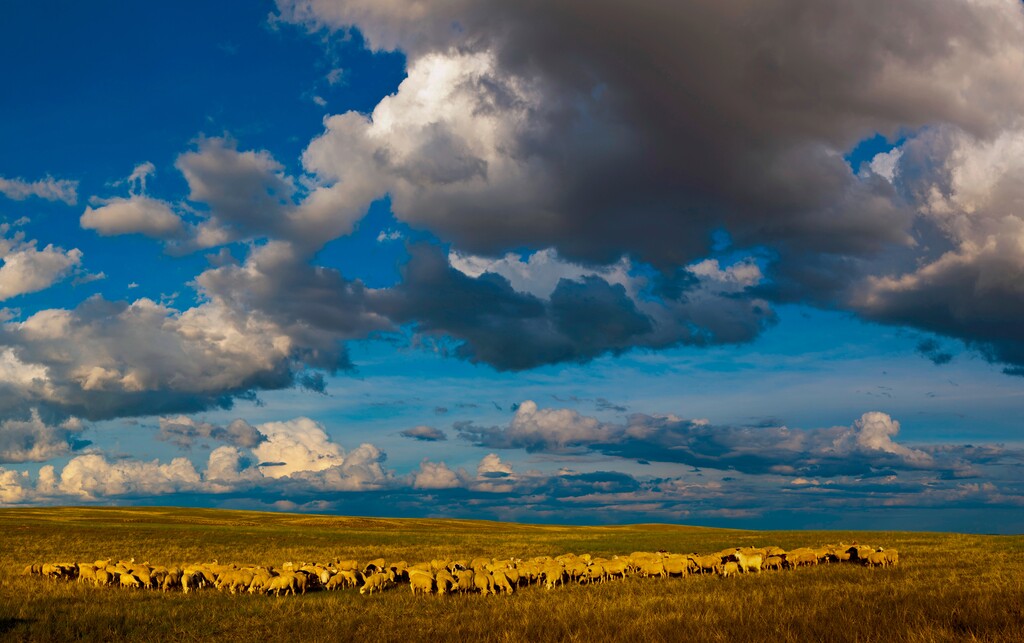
<point>948,587</point>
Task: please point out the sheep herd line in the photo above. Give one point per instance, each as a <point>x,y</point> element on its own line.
<point>483,575</point>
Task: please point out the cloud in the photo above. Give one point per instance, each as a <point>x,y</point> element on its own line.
<point>27,269</point>
<point>247,193</point>
<point>563,139</point>
<point>424,433</point>
<point>91,477</point>
<point>435,475</point>
<point>184,431</point>
<point>535,429</point>
<point>324,477</point>
<point>592,314</point>
<point>49,188</point>
<point>34,440</point>
<point>967,190</point>
<point>493,118</point>
<point>865,446</point>
<point>296,445</point>
<point>136,214</point>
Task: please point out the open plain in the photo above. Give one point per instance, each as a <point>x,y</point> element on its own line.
<point>947,587</point>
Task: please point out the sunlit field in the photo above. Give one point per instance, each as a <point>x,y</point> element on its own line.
<point>945,587</point>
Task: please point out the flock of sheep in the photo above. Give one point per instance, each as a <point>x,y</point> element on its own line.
<point>484,575</point>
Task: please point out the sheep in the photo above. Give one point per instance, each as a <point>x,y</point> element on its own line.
<point>278,584</point>
<point>875,559</point>
<point>553,575</point>
<point>128,580</point>
<point>675,564</point>
<point>617,567</point>
<point>171,580</point>
<point>346,565</point>
<point>774,562</point>
<point>501,582</point>
<point>376,581</point>
<point>102,577</point>
<point>86,571</point>
<point>747,562</point>
<point>727,569</point>
<point>892,557</point>
<point>706,564</point>
<point>421,582</point>
<point>335,582</point>
<point>484,582</point>
<point>444,581</point>
<point>375,565</point>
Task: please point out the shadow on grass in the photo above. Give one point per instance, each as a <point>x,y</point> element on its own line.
<point>8,624</point>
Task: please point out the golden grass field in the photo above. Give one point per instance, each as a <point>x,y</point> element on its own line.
<point>948,587</point>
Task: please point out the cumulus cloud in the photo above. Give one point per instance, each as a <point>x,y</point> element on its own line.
<point>26,269</point>
<point>494,119</point>
<point>867,445</point>
<point>968,195</point>
<point>107,359</point>
<point>583,317</point>
<point>424,433</point>
<point>49,188</point>
<point>184,431</point>
<point>435,475</point>
<point>536,429</point>
<point>91,477</point>
<point>533,125</point>
<point>296,445</point>
<point>246,193</point>
<point>135,214</point>
<point>34,440</point>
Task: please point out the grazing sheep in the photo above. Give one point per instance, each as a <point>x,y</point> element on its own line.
<point>445,581</point>
<point>774,562</point>
<point>554,574</point>
<point>892,557</point>
<point>376,581</point>
<point>346,565</point>
<point>875,559</point>
<point>86,571</point>
<point>484,582</point>
<point>128,580</point>
<point>278,584</point>
<point>706,564</point>
<point>676,564</point>
<point>617,567</point>
<point>727,569</point>
<point>501,582</point>
<point>420,582</point>
<point>376,565</point>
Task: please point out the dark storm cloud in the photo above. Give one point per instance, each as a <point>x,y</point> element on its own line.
<point>184,431</point>
<point>582,319</point>
<point>865,448</point>
<point>603,131</point>
<point>424,433</point>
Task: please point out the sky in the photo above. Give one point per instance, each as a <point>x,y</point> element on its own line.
<point>752,265</point>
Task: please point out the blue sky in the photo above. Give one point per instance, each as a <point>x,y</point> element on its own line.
<point>478,260</point>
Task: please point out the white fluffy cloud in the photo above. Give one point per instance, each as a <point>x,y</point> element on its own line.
<point>136,214</point>
<point>91,477</point>
<point>49,188</point>
<point>435,475</point>
<point>26,269</point>
<point>297,445</point>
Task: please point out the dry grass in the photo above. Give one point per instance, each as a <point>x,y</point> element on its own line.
<point>949,587</point>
